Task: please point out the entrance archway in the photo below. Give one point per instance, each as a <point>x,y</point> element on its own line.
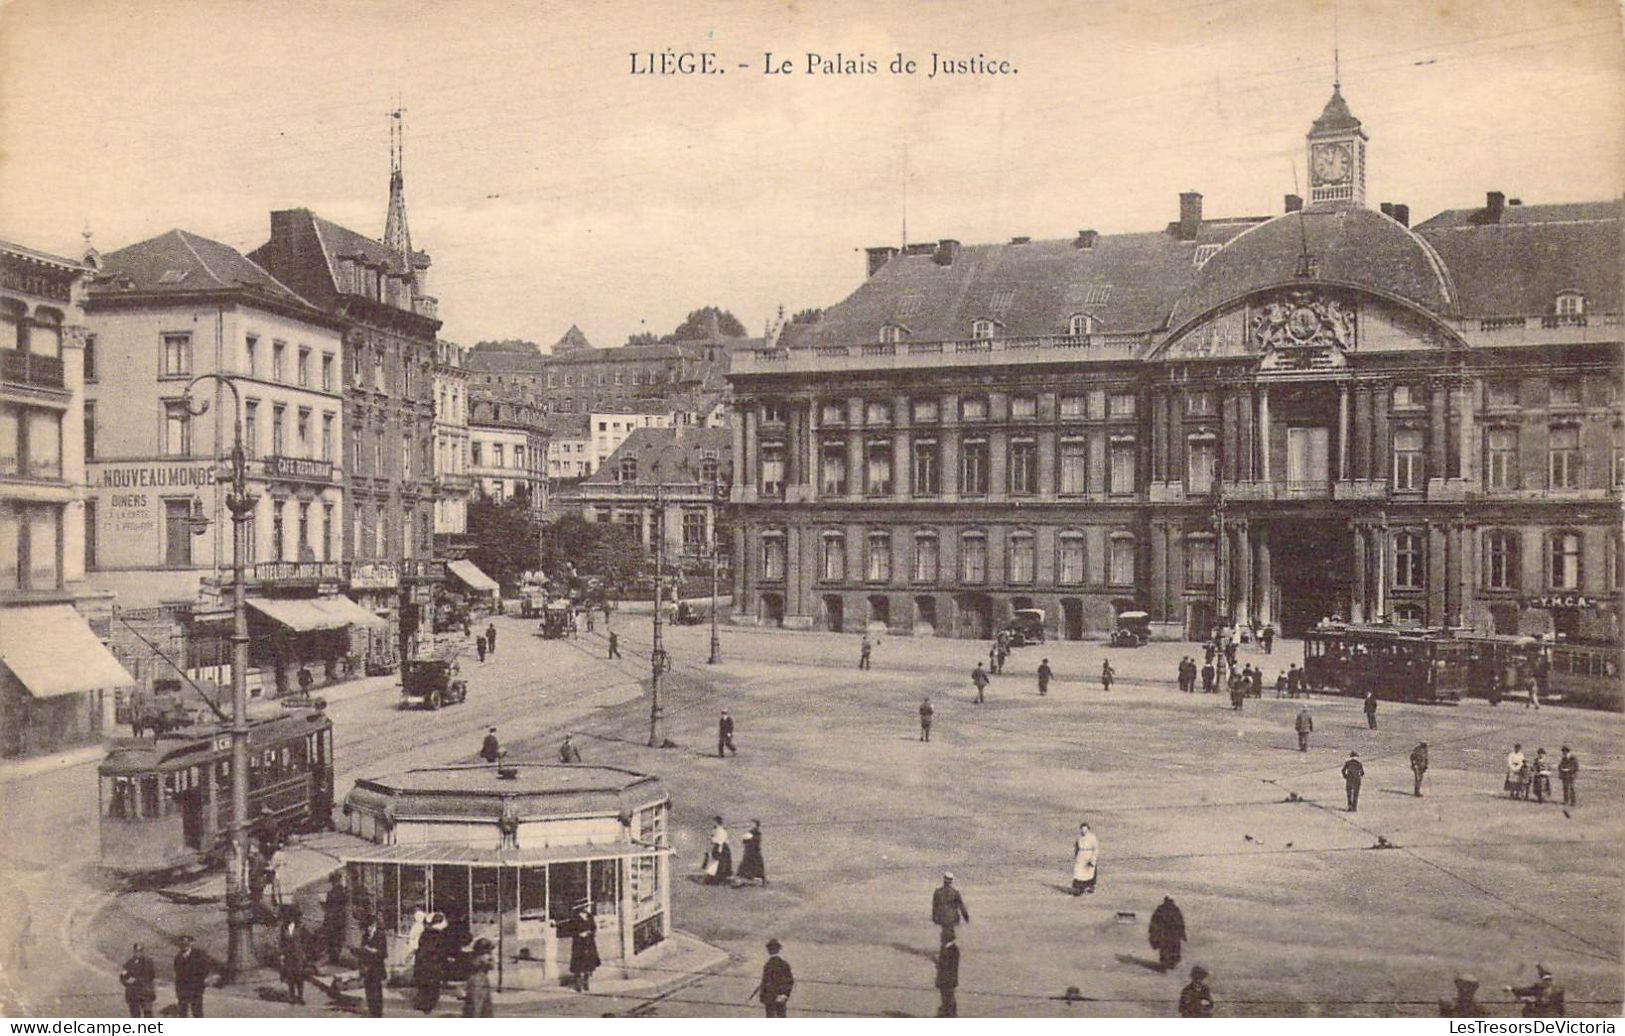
<point>880,609</point>
<point>925,612</point>
<point>1312,559</point>
<point>975,615</point>
<point>1071,618</point>
<point>772,610</point>
<point>833,612</point>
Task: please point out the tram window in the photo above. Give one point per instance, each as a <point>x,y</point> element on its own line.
<point>569,887</point>
<point>222,774</point>
<point>150,803</point>
<point>414,893</point>
<point>482,909</point>
<point>606,887</point>
<point>120,798</point>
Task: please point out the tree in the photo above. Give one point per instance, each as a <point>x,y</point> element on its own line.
<point>808,316</point>
<point>576,550</point>
<point>506,539</point>
<point>644,338</point>
<point>707,322</point>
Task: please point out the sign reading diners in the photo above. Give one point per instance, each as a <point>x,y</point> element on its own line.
<point>299,468</point>
<point>155,476</point>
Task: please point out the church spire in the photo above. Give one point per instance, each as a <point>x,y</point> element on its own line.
<point>396,233</point>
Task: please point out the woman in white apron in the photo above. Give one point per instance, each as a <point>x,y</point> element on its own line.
<point>1085,854</point>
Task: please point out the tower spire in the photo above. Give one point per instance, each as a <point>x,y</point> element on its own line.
<point>396,233</point>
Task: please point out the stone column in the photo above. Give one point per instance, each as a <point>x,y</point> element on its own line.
<point>1159,572</point>
<point>1246,439</point>
<point>1380,532</point>
<point>793,435</point>
<point>1362,432</point>
<point>901,462</point>
<point>748,468</point>
<point>1437,433</point>
<point>854,462</point>
<point>1468,432</point>
<point>1046,464</point>
<point>1264,433</point>
<point>1357,607</point>
<point>1265,609</point>
<point>1159,435</point>
<point>1244,566</point>
<point>1343,432</point>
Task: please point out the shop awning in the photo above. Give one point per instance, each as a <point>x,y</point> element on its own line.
<point>352,613</point>
<point>472,577</point>
<point>305,614</point>
<point>52,651</point>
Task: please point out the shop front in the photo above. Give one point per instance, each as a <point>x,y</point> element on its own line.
<point>54,673</point>
<point>375,586</point>
<point>314,635</point>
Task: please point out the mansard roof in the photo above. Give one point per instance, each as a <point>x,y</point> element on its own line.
<point>179,262</point>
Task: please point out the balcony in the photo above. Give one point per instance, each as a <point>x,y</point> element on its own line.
<point>31,369</point>
<point>958,353</point>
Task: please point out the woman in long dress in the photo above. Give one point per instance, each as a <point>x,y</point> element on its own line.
<point>720,867</point>
<point>1085,855</point>
<point>584,958</point>
<point>751,865</point>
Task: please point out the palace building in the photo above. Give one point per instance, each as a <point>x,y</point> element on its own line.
<point>1327,412</point>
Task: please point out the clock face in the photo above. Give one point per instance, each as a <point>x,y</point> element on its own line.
<point>1331,163</point>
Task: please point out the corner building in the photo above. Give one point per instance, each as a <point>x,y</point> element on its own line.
<point>1327,412</point>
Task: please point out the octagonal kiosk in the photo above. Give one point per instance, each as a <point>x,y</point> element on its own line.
<point>506,853</point>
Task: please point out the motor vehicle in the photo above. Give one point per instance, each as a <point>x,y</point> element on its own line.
<point>429,683</point>
<point>1026,626</point>
<point>1133,629</point>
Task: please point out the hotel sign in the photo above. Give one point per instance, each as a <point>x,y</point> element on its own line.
<point>300,468</point>
<point>374,575</point>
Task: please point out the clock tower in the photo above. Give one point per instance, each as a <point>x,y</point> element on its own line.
<point>1337,155</point>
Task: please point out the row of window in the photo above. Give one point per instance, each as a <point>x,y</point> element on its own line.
<point>369,532</point>
<point>984,328</point>
<point>1080,467</point>
<point>710,468</point>
<point>1564,558</point>
<point>178,360</point>
<point>30,546</point>
<point>1094,404</point>
<point>40,334</point>
<point>499,455</point>
<point>1020,559</point>
<point>30,442</point>
<point>310,542</point>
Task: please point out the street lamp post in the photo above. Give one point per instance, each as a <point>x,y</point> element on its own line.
<point>657,653</point>
<point>716,556</point>
<point>239,908</point>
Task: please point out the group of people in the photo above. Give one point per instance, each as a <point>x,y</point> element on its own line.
<point>486,643</point>
<point>717,866</point>
<point>1533,777</point>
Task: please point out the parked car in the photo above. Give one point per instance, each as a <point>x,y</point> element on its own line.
<point>1026,626</point>
<point>1133,629</point>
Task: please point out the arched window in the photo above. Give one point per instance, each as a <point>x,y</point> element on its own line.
<point>1409,557</point>
<point>1563,560</point>
<point>1069,558</point>
<point>982,329</point>
<point>1021,557</point>
<point>1122,559</point>
<point>973,557</point>
<point>925,556</point>
<point>832,561</point>
<point>1080,324</point>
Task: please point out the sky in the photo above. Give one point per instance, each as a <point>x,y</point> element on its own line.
<point>552,186</point>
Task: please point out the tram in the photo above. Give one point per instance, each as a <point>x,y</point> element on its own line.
<point>1417,665</point>
<point>1586,674</point>
<point>1570,672</point>
<point>165,803</point>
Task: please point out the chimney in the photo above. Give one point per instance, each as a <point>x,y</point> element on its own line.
<point>879,257</point>
<point>1190,215</point>
<point>947,252</point>
<point>1494,204</point>
<point>1402,214</point>
<point>1387,208</point>
<point>1021,240</point>
<point>920,248</point>
<point>1514,201</point>
<point>1294,203</point>
<point>1086,239</point>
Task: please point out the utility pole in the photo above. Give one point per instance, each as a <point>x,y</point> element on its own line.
<point>716,556</point>
<point>657,653</point>
<point>239,908</point>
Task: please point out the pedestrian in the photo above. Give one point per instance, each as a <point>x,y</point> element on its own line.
<point>1196,999</point>
<point>1237,690</point>
<point>751,865</point>
<point>1294,681</point>
<point>1106,674</point>
<point>1371,709</point>
<point>1085,856</point>
<point>1304,725</point>
<point>1542,784</point>
<point>427,967</point>
<point>139,979</point>
<point>1533,687</point>
<point>588,613</point>
<point>1268,637</point>
<point>725,734</point>
<point>1543,999</point>
<point>568,752</point>
<point>948,907</point>
<point>1419,766</point>
<point>584,958</point>
<point>719,860</point>
<point>477,987</point>
<point>467,627</point>
<point>306,681</point>
<point>1208,675</point>
<point>1167,932</point>
<point>1207,653</point>
<point>335,916</point>
<point>926,712</point>
<point>490,748</point>
<point>420,924</point>
<point>1353,774</point>
<point>614,644</point>
<point>864,652</point>
<point>371,956</point>
<point>1257,690</point>
<point>978,676</point>
<point>948,978</point>
<point>192,969</point>
<point>1282,687</point>
<point>777,982</point>
<point>479,646</point>
<point>1514,769</point>
<point>491,638</point>
<point>1045,674</point>
<point>1466,1004</point>
<point>1568,767</point>
<point>1229,651</point>
<point>294,960</point>
<point>993,657</point>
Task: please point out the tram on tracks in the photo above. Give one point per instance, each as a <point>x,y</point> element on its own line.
<point>165,803</point>
<point>1571,672</point>
<point>1397,664</point>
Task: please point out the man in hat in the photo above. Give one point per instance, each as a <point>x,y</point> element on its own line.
<point>584,959</point>
<point>725,734</point>
<point>926,712</point>
<point>491,638</point>
<point>192,969</point>
<point>614,645</point>
<point>1371,709</point>
<point>1107,674</point>
<point>138,979</point>
<point>1209,675</point>
<point>978,676</point>
<point>1167,932</point>
<point>948,907</point>
<point>335,916</point>
<point>1045,675</point>
<point>777,982</point>
<point>490,749</point>
<point>1196,999</point>
<point>1466,1004</point>
<point>568,752</point>
<point>1419,766</point>
<point>477,989</point>
<point>1543,999</point>
<point>371,956</point>
<point>1353,774</point>
<point>1304,725</point>
<point>948,978</point>
<point>1568,767</point>
<point>865,651</point>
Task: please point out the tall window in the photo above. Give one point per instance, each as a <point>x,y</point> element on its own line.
<point>1023,467</point>
<point>973,558</point>
<point>305,551</point>
<point>1203,453</point>
<point>1408,560</point>
<point>1501,560</point>
<point>327,437</point>
<point>1122,560</point>
<point>278,544</point>
<point>973,467</point>
<point>1123,474</point>
<point>1564,457</point>
<point>1201,561</point>
<point>832,562</point>
<point>1563,568</point>
<point>177,430</point>
<point>877,468</point>
<point>1074,467</point>
<point>90,359</point>
<point>475,450</point>
<point>330,547</point>
<point>177,355</point>
<point>499,459</point>
<point>279,356</point>
<point>90,429</point>
<point>277,415</point>
<point>1502,455</point>
<point>1021,557</point>
<point>1409,464</point>
<point>773,470</point>
<point>693,530</point>
<point>302,370</point>
<point>90,533</point>
<point>327,372</point>
<point>301,426</point>
<point>177,532</point>
<point>251,428</point>
<point>1069,559</point>
<point>773,556</point>
<point>832,469</point>
<point>251,355</point>
<point>879,560</point>
<point>406,457</point>
<point>925,471</point>
<point>925,557</point>
<point>378,452</point>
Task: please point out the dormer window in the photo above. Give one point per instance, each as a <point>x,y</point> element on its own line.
<point>1081,324</point>
<point>982,329</point>
<point>629,469</point>
<point>1203,254</point>
<point>891,334</point>
<point>1570,304</point>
